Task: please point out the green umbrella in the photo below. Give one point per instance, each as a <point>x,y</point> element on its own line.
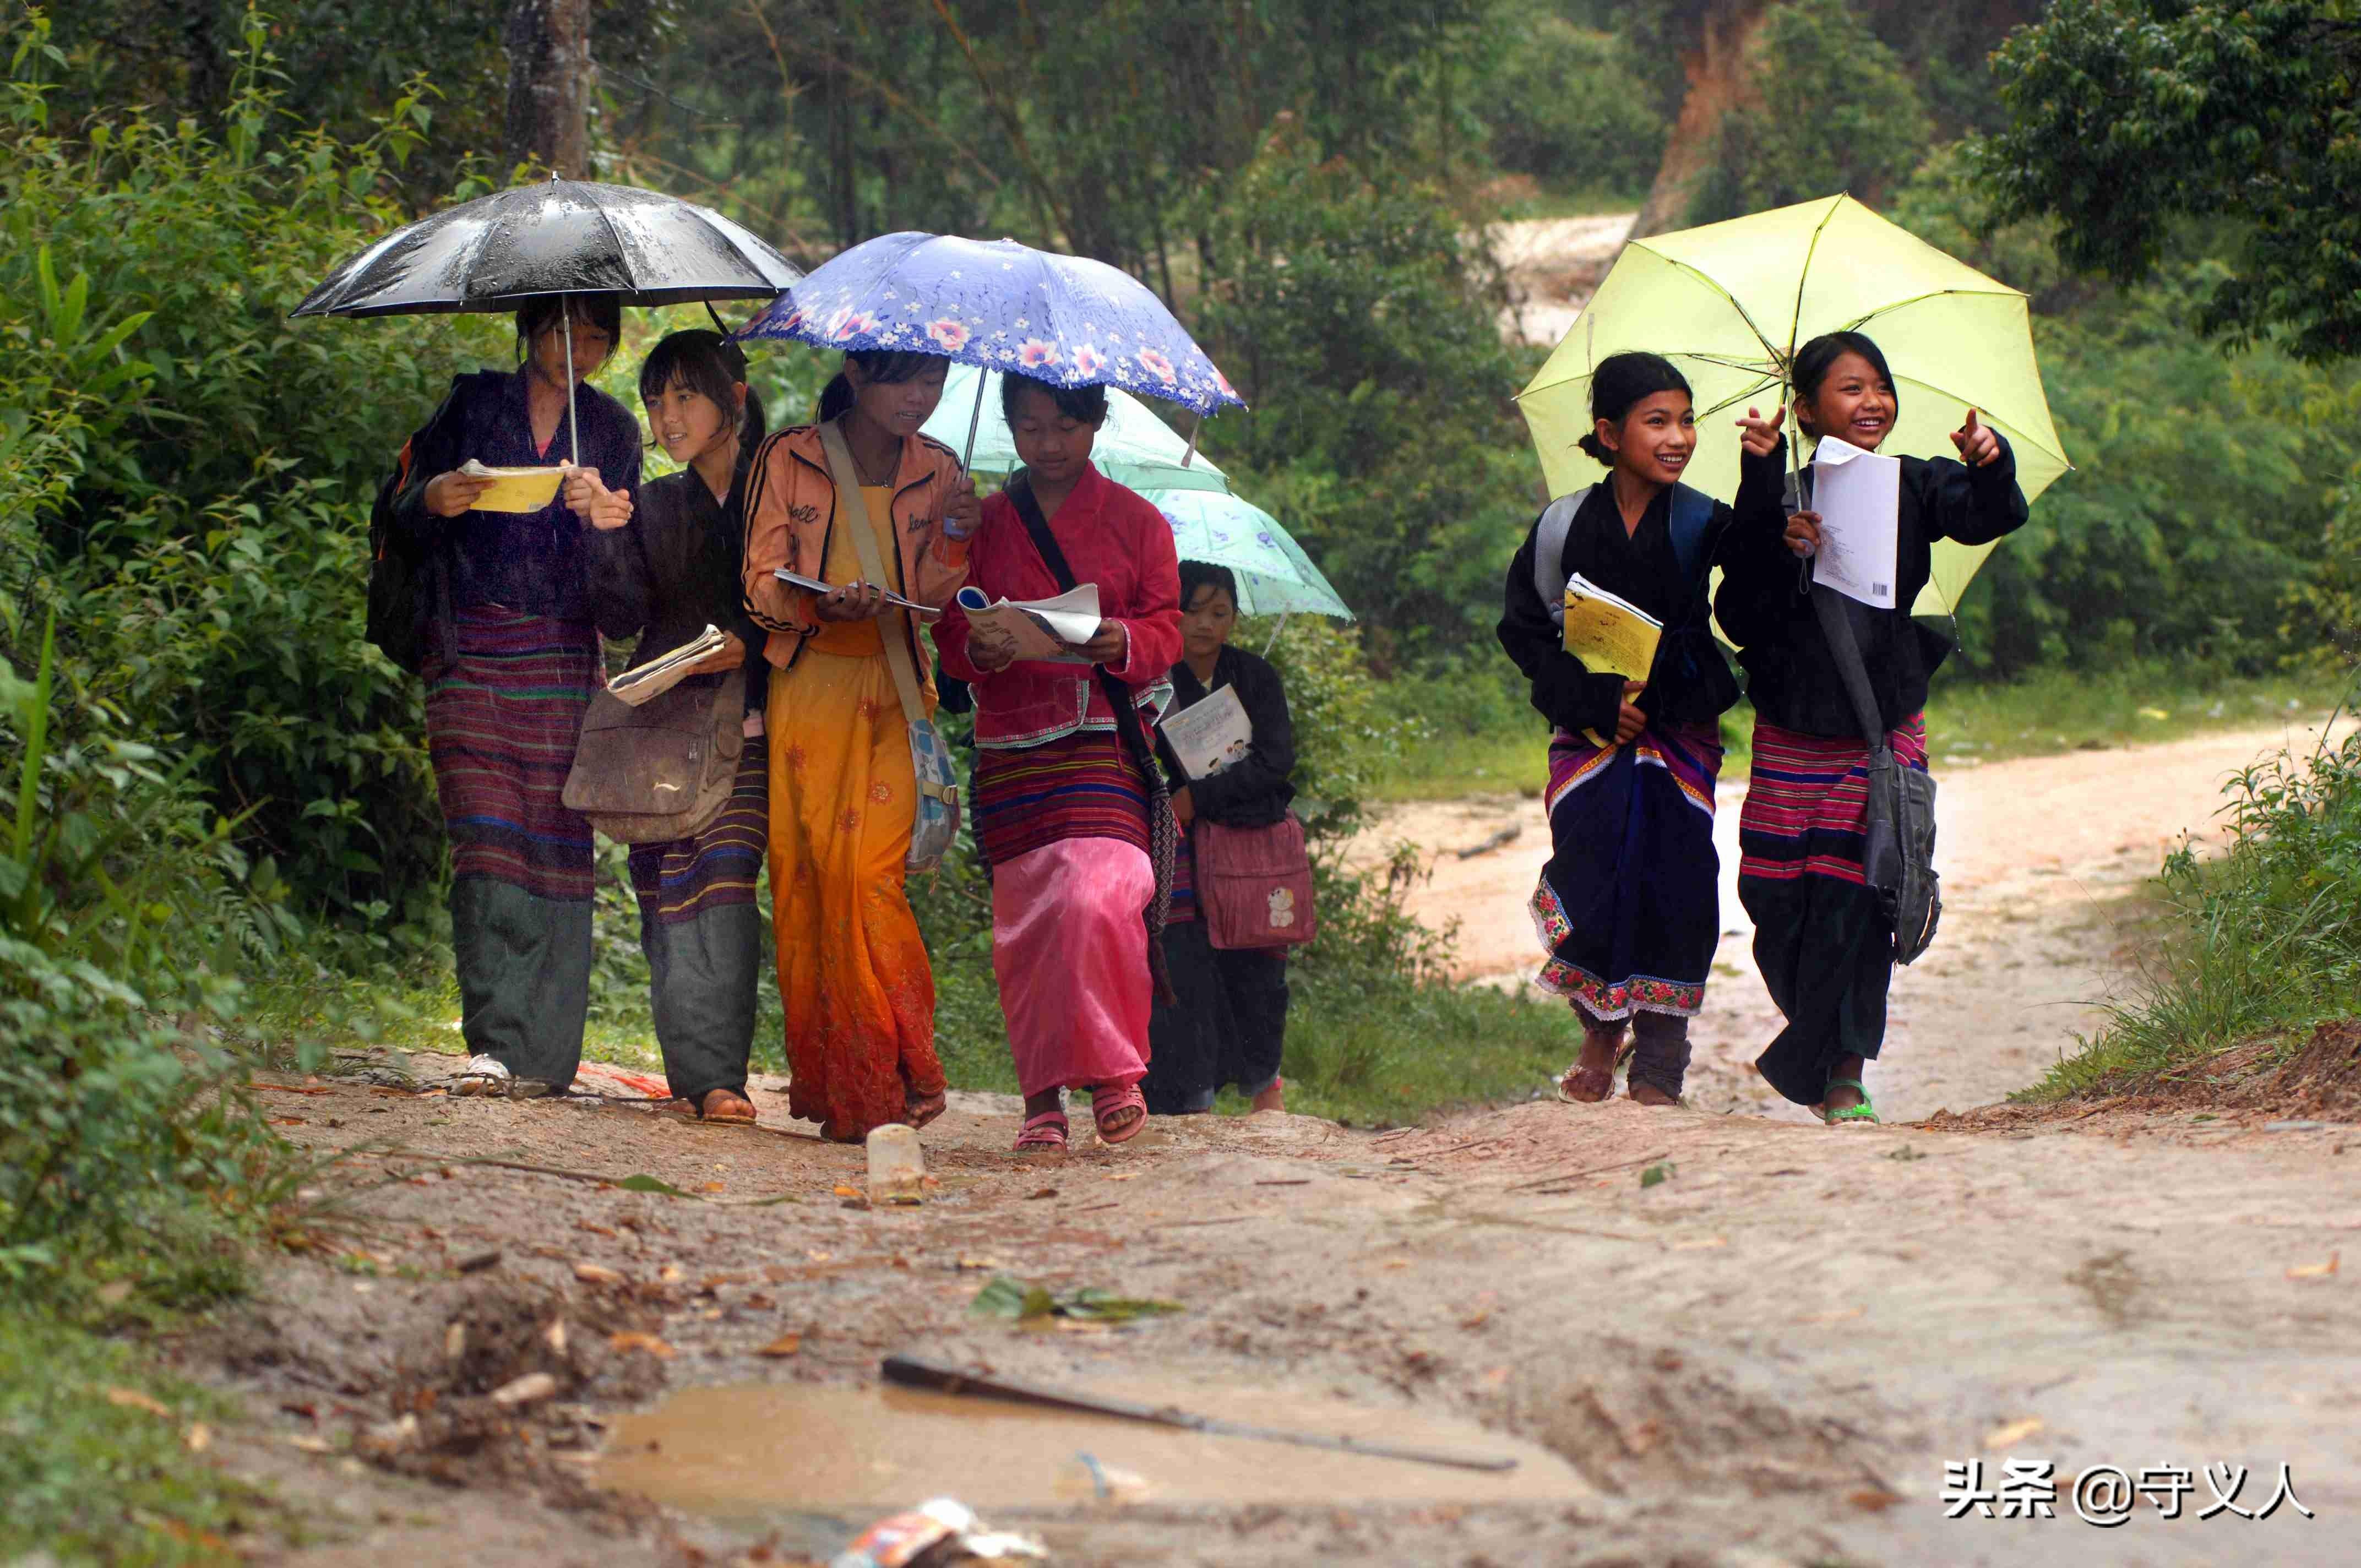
<point>1275,577</point>
<point>1135,448</point>
<point>1730,302</point>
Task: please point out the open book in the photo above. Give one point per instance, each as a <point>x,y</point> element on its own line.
<point>1210,735</point>
<point>665,671</point>
<point>514,489</point>
<point>1035,629</point>
<point>1609,634</point>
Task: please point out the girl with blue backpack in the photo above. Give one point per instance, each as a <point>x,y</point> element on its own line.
<point>1627,907</point>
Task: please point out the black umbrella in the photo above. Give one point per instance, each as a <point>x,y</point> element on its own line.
<point>567,236</point>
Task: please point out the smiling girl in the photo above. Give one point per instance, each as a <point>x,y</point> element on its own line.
<point>1821,938</point>
<point>1627,906</point>
<point>664,565</point>
<point>853,975</point>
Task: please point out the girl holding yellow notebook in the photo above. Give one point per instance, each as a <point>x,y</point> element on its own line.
<point>1627,908</point>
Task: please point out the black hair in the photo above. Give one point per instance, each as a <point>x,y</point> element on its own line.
<point>1620,381</point>
<point>887,367</point>
<point>1195,575</point>
<point>704,361</point>
<point>542,311</point>
<point>1818,357</point>
<point>1085,405</point>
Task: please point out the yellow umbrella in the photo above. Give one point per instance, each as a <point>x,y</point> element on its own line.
<point>1729,303</point>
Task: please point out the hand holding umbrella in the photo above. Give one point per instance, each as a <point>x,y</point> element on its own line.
<point>588,497</point>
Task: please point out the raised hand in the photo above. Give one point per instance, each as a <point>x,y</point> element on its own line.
<point>1762,438</point>
<point>1977,444</point>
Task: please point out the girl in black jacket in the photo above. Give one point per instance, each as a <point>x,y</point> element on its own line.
<point>1627,906</point>
<point>1821,937</point>
<point>1228,1020</point>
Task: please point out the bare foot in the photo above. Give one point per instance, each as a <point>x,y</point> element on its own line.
<point>924,1108</point>
<point>1274,1098</point>
<point>1647,1093</point>
<point>727,1105</point>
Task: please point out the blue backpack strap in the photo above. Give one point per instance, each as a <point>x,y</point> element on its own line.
<point>1691,526</point>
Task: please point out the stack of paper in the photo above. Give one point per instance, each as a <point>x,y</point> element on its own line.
<point>1046,629</point>
<point>1609,634</point>
<point>667,670</point>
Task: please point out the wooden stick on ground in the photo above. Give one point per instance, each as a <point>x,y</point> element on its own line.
<point>912,1372</point>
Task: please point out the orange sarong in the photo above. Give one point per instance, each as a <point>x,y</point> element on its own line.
<point>853,976</point>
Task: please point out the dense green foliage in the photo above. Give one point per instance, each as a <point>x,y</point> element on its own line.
<point>1559,106</point>
<point>1828,106</point>
<point>2129,117</point>
<point>2263,942</point>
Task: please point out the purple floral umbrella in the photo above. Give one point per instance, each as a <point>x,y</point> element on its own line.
<point>1002,306</point>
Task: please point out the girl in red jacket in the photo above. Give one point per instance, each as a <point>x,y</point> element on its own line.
<point>1064,810</point>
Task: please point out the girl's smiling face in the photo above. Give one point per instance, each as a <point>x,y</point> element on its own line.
<point>1055,447</point>
<point>1854,403</point>
<point>688,424</point>
<point>1656,438</point>
<point>900,407</point>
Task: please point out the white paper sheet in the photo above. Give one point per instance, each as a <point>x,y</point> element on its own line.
<point>1858,495</point>
<point>1212,735</point>
<point>641,683</point>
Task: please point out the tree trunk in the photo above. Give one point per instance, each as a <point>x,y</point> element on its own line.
<point>550,81</point>
<point>1716,67</point>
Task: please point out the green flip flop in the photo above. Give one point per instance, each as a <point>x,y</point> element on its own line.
<point>1864,1112</point>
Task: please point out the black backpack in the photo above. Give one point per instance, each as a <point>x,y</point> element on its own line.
<point>409,589</point>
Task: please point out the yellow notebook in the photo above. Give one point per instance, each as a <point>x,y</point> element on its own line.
<point>514,489</point>
<point>1609,634</point>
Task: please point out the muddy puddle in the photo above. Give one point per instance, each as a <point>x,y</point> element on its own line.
<point>804,1448</point>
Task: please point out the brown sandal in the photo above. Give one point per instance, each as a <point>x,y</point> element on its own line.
<point>726,1108</point>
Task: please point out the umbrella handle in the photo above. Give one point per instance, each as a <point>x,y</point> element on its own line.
<point>974,420</point>
<point>1195,420</point>
<point>1277,633</point>
<point>565,326</point>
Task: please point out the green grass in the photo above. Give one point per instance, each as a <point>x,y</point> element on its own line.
<point>93,1479</point>
<point>2257,947</point>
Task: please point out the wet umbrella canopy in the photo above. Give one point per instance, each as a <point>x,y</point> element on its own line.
<point>567,236</point>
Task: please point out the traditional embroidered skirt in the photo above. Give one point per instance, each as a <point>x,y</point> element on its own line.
<point>502,725</point>
<point>703,936</point>
<point>1078,786</point>
<point>1820,935</point>
<point>853,975</point>
<point>1626,908</point>
<point>1064,827</point>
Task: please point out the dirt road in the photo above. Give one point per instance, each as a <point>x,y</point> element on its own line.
<point>1711,1337</point>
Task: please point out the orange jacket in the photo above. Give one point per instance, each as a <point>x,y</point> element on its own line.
<point>791,509</point>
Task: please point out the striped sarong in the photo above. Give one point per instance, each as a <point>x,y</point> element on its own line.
<point>1807,801</point>
<point>1078,786</point>
<point>680,880</point>
<point>1627,907</point>
<point>501,726</point>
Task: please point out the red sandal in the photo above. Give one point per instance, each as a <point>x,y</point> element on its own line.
<point>1109,1101</point>
<point>1044,1133</point>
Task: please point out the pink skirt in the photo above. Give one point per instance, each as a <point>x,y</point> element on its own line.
<point>1069,946</point>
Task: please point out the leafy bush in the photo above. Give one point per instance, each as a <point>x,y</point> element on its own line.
<point>2267,938</point>
<point>1828,107</point>
<point>204,544</point>
<point>1560,108</point>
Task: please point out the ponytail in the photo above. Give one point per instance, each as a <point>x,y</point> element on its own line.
<point>752,428</point>
<point>835,399</point>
